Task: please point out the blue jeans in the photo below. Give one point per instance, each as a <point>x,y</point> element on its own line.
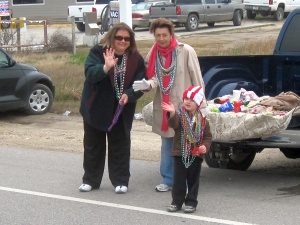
<point>166,162</point>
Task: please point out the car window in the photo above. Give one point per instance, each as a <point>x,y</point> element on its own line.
<point>136,1</point>
<point>222,1</point>
<point>163,3</point>
<point>142,6</point>
<point>3,60</point>
<point>210,2</point>
<point>290,41</point>
<point>102,1</point>
<point>188,2</point>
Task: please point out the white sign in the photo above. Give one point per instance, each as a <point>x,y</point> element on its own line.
<point>114,14</point>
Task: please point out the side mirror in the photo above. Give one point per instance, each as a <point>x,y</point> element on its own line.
<point>12,62</point>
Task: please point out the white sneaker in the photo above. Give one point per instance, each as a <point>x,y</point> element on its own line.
<point>121,189</point>
<point>162,188</point>
<point>85,187</point>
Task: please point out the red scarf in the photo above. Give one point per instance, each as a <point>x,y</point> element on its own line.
<point>167,54</point>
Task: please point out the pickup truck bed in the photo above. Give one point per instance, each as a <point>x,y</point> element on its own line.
<point>265,75</point>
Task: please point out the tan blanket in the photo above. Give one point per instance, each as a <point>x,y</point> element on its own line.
<point>283,101</point>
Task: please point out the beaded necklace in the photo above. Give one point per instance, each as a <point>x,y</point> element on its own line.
<point>161,71</point>
<point>119,76</point>
<point>191,134</point>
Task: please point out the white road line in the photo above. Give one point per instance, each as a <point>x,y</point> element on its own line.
<point>181,215</point>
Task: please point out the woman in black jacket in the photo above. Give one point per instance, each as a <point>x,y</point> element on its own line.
<point>108,106</point>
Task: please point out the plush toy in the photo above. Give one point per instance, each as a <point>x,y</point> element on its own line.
<point>248,95</point>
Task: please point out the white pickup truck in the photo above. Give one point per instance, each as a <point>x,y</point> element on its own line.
<point>99,7</point>
<point>279,9</point>
<point>77,12</point>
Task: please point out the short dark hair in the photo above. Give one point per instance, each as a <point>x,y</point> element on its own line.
<point>108,40</point>
<point>162,23</point>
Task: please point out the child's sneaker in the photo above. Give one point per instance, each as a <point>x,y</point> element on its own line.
<point>173,208</point>
<point>189,209</point>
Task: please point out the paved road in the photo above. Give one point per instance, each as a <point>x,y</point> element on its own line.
<point>41,187</point>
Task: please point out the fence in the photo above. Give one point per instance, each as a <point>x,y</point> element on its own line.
<point>17,24</point>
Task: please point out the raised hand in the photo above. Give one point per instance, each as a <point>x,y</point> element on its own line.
<point>169,107</point>
<point>109,57</point>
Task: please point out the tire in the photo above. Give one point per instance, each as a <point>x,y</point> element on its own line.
<point>80,27</point>
<point>279,14</point>
<point>39,100</point>
<point>241,161</point>
<point>237,18</point>
<point>105,21</point>
<point>192,23</point>
<point>251,15</point>
<point>211,24</point>
<point>209,158</point>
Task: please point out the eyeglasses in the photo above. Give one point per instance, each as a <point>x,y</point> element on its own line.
<point>120,38</point>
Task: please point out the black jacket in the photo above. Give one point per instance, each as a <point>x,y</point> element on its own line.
<point>99,102</point>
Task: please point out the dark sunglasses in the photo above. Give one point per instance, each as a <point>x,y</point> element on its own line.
<point>120,38</point>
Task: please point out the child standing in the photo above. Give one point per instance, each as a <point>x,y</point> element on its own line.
<point>191,141</point>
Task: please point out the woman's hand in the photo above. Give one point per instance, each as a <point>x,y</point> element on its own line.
<point>123,100</point>
<point>110,60</point>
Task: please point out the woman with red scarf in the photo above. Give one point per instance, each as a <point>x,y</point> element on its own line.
<point>171,68</point>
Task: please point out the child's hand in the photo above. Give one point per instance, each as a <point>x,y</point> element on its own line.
<point>169,107</point>
<point>202,149</point>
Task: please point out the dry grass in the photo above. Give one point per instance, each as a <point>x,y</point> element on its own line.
<point>67,71</point>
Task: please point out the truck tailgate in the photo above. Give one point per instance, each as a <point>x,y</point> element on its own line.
<point>162,11</point>
<point>77,11</point>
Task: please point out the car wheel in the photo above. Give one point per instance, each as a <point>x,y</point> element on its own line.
<point>210,24</point>
<point>192,23</point>
<point>40,100</point>
<point>279,14</point>
<point>80,27</point>
<point>237,18</point>
<point>241,161</point>
<point>251,15</point>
